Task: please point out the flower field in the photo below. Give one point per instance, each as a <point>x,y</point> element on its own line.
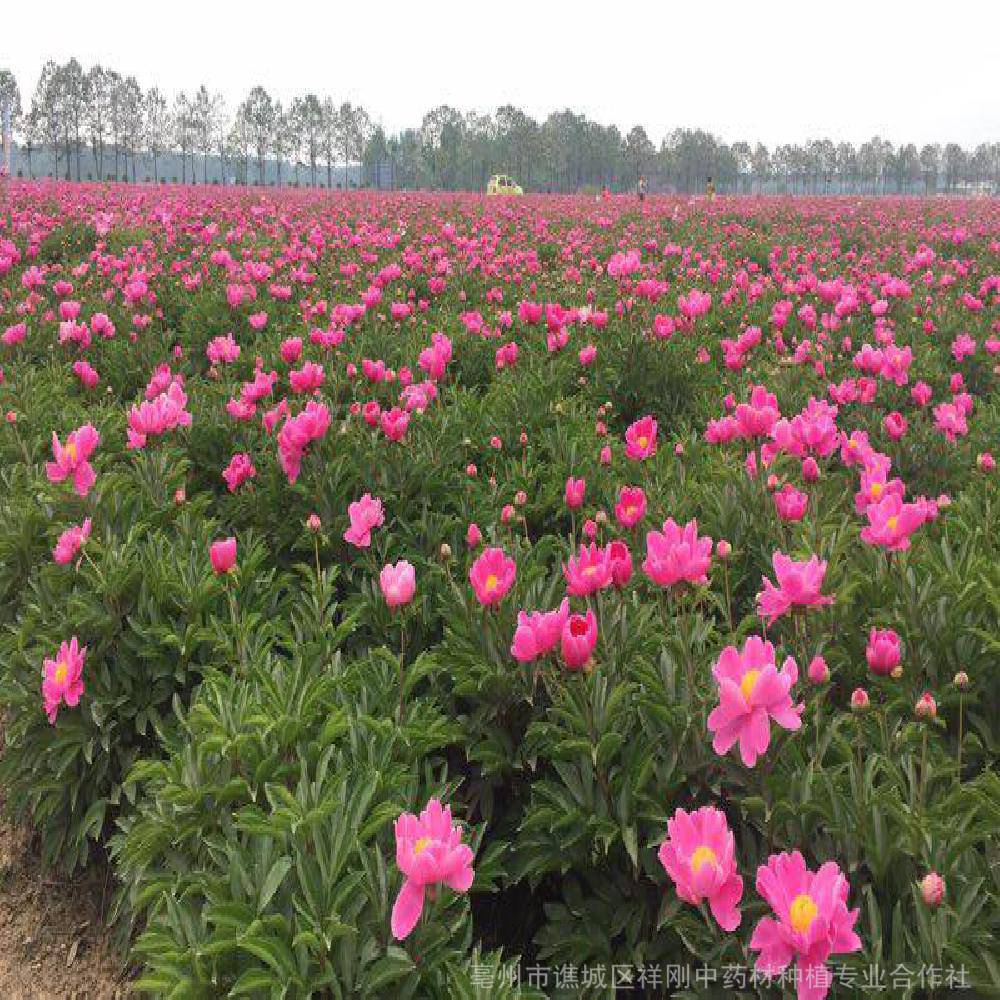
<point>414,595</point>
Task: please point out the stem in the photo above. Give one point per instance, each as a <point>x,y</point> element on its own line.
<point>961,708</point>
<point>402,661</point>
<point>319,573</point>
<point>93,565</point>
<point>729,600</point>
<point>240,649</point>
<point>923,771</point>
<point>819,716</point>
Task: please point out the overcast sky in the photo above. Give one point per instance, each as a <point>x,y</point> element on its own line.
<point>769,70</point>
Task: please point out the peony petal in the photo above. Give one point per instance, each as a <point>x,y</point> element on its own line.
<point>407,909</point>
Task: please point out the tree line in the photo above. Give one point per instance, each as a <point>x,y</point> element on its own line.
<point>95,124</point>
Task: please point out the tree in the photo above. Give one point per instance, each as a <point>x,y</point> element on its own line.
<point>239,145</point>
<point>356,129</point>
<point>907,162</point>
<point>285,141</point>
<point>99,84</point>
<point>131,120</point>
<point>46,117</point>
<point>220,136</point>
<point>158,126</point>
<point>72,85</point>
<point>440,134</point>
<point>184,131</point>
<point>930,164</point>
<point>10,93</point>
<point>954,165</point>
<point>330,137</point>
<point>204,110</point>
<point>847,164</point>
<point>637,149</point>
<point>376,153</point>
<point>981,162</point>
<point>117,113</point>
<point>308,114</point>
<point>260,116</point>
<point>761,165</point>
<point>10,99</point>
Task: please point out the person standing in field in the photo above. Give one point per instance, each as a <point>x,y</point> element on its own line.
<point>709,187</point>
<point>642,189</point>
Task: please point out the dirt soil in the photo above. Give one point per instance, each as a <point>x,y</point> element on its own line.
<point>53,942</point>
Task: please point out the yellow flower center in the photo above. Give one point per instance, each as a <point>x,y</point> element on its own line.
<point>421,845</point>
<point>70,450</point>
<point>703,856</point>
<point>877,490</point>
<point>643,441</point>
<point>61,672</point>
<point>892,522</point>
<point>749,682</point>
<point>802,913</point>
<point>491,582</point>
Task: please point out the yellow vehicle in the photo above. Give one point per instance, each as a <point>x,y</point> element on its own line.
<point>502,184</point>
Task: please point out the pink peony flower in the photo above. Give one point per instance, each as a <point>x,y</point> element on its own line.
<point>818,672</point>
<point>223,555</point>
<point>394,423</point>
<point>164,412</point>
<point>587,572</point>
<point>86,374</point>
<point>677,554</point>
<point>239,470</point>
<point>949,418</point>
<point>575,490</point>
<point>891,521</point>
<point>758,417</point>
<point>932,889</point>
<point>72,459</point>
<point>297,434</point>
<point>882,651</point>
<point>699,855</point>
<point>579,637</point>
<point>63,683</point>
<point>291,350</point>
<point>790,503</point>
<point>398,583</point>
<point>895,425</point>
<point>492,575</point>
<point>70,542</point>
<point>620,560</point>
<point>752,691</point>
<point>812,924</point>
<point>429,851</point>
<point>365,514</point>
<point>473,536</point>
<point>799,586</point>
<point>538,633</point>
<point>631,506</point>
<point>640,439</point>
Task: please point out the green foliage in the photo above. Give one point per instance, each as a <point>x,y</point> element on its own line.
<point>244,743</point>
